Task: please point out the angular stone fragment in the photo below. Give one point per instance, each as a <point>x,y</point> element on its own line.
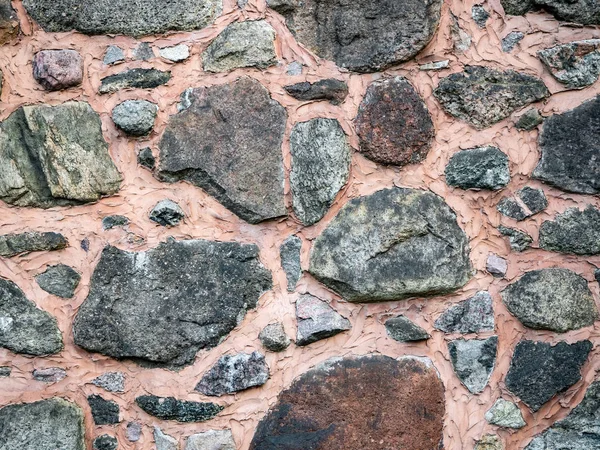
<point>105,442</point>
<point>118,17</point>
<point>478,168</point>
<point>113,55</point>
<point>53,424</point>
<point>273,337</point>
<point>110,222</point>
<point>505,414</point>
<point>527,202</point>
<point>294,68</point>
<point>167,213</point>
<point>241,166</point>
<point>134,79</point>
<point>335,91</point>
<point>390,245</point>
<point>155,303</point>
<point>473,315</point>
<point>289,253</point>
<point>23,327</point>
<point>9,22</point>
<point>211,440</point>
<point>104,412</point>
<point>551,299</point>
<point>519,240</point>
<point>489,442</point>
<point>576,11</point>
<point>473,361</point>
<point>133,432</point>
<point>164,441</point>
<point>59,280</point>
<point>480,15</point>
<point>143,52</point>
<point>49,375</point>
<point>135,117</point>
<point>539,370</point>
<point>363,36</point>
<point>576,64</point>
<point>169,408</point>
<point>401,329</point>
<point>333,406</point>
<point>58,69</point>
<point>529,120</point>
<point>5,371</point>
<point>393,123</point>
<point>55,156</point>
<point>482,96</point>
<point>437,65</point>
<point>317,320</point>
<point>111,381</point>
<point>242,44</point>
<point>462,39</point>
<point>573,231</point>
<point>496,265</point>
<point>31,241</point>
<point>320,167</point>
<point>510,41</point>
<point>146,158</point>
<point>177,53</point>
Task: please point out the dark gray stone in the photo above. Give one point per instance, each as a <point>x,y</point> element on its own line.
<point>478,168</point>
<point>317,320</point>
<point>113,55</point>
<point>273,337</point>
<point>23,327</point>
<point>573,231</point>
<point>169,408</point>
<point>31,241</point>
<point>402,329</point>
<point>53,424</point>
<point>577,11</point>
<point>473,315</point>
<point>143,52</point>
<point>104,412</point>
<point>154,303</point>
<point>529,120</point>
<point>134,79</point>
<point>105,442</point>
<point>146,158</point>
<point>510,41</point>
<point>110,222</point>
<point>390,245</point>
<point>167,213</point>
<point>55,156</point>
<point>332,90</point>
<point>480,15</point>
<point>576,64</point>
<point>320,167</point>
<point>527,202</point>
<point>9,23</point>
<point>5,371</point>
<point>135,117</point>
<point>482,96</point>
<point>363,36</point>
<point>200,146</point>
<point>59,280</point>
<point>539,370</point>
<point>58,69</point>
<point>118,17</point>
<point>49,375</point>
<point>111,381</point>
<point>551,299</point>
<point>473,361</point>
<point>519,240</point>
<point>289,253</point>
<point>234,373</point>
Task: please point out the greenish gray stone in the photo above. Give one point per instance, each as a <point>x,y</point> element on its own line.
<point>59,280</point>
<point>169,408</point>
<point>402,329</point>
<point>576,64</point>
<point>289,253</point>
<point>469,316</point>
<point>473,361</point>
<point>31,241</point>
<point>519,240</point>
<point>134,79</point>
<point>478,168</point>
<point>135,117</point>
<point>529,120</point>
<point>573,231</point>
<point>505,414</point>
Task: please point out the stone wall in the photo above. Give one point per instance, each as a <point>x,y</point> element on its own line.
<point>299,225</point>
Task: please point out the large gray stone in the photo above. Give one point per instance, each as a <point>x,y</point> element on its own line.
<point>473,361</point>
<point>55,156</point>
<point>390,245</point>
<point>241,166</point>
<point>573,231</point>
<point>59,280</point>
<point>317,320</point>
<point>505,414</point>
<point>469,316</point>
<point>31,241</point>
<point>320,167</point>
<point>23,327</point>
<point>163,305</point>
<point>118,17</point>
<point>211,440</point>
<point>289,252</point>
<point>576,64</point>
<point>53,424</point>
<point>478,168</point>
<point>577,11</point>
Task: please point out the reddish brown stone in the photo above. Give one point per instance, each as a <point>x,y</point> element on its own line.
<point>393,123</point>
<point>362,403</point>
<point>58,69</point>
<point>9,22</point>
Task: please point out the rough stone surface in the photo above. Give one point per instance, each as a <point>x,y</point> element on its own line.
<point>320,167</point>
<point>402,242</point>
<point>353,402</point>
<point>570,145</point>
<point>60,280</point>
<point>401,329</point>
<point>573,231</point>
<point>294,68</point>
<point>576,64</point>
<point>317,320</point>
<point>146,158</point>
<point>489,442</point>
<point>478,168</point>
<point>510,41</point>
<point>23,327</point>
<point>104,412</point>
<point>211,440</point>
<point>113,55</point>
<point>241,167</point>
<point>110,222</point>
<point>204,303</point>
<point>164,441</point>
<point>5,371</point>
<point>289,253</point>
<point>551,299</point>
<point>116,17</point>
<point>473,361</point>
<point>577,11</point>
<point>167,213</point>
<point>480,15</point>
<point>362,36</point>
<point>111,381</point>
<point>133,432</point>
<point>9,22</point>
<point>274,338</point>
<point>58,69</point>
<point>505,414</point>
<point>169,408</point>
<point>105,442</point>
<point>539,370</point>
<point>135,117</point>
<point>519,240</point>
<point>393,123</point>
<point>496,265</point>
<point>55,156</point>
<point>529,120</point>
<point>473,315</point>
<point>462,40</point>
<point>31,241</point>
<point>482,96</point>
<point>332,90</point>
<point>526,203</point>
<point>134,79</point>
<point>53,424</point>
<point>242,44</point>
<point>143,52</point>
<point>49,375</point>
<point>177,53</point>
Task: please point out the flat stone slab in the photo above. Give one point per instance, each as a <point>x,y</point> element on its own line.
<point>579,12</point>
<point>169,408</point>
<point>134,79</point>
<point>317,320</point>
<point>31,241</point>
<point>478,168</point>
<point>573,231</point>
<point>469,316</point>
<point>473,361</point>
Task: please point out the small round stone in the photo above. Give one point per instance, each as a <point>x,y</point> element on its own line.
<point>167,213</point>
<point>135,117</point>
<point>273,337</point>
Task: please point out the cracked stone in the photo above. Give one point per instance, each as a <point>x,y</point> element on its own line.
<point>49,375</point>
<point>104,412</point>
<point>59,280</point>
<point>134,79</point>
<point>473,361</point>
<point>110,222</point>
<point>31,241</point>
<point>526,203</point>
<point>135,117</point>
<point>113,55</point>
<point>58,69</point>
<point>330,89</point>
<point>529,120</point>
<point>274,338</point>
<point>105,442</point>
<point>176,53</point>
<point>211,440</point>
<point>505,414</point>
<point>111,381</point>
<point>317,320</point>
<point>167,213</point>
<point>573,231</point>
<point>519,240</point>
<point>478,168</point>
<point>289,253</point>
<point>473,315</point>
<point>402,329</point>
<point>169,408</point>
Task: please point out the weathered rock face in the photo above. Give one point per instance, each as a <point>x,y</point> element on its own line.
<point>473,361</point>
<point>60,280</point>
<point>480,15</point>
<point>58,69</point>
<point>169,408</point>
<point>402,243</point>
<point>551,299</point>
<point>113,55</point>
<point>482,96</point>
<point>335,91</point>
<point>519,240</point>
<point>23,327</point>
<point>478,168</point>
<point>55,156</point>
<point>110,222</point>
<point>143,52</point>
<point>573,231</point>
<point>317,320</point>
<point>104,412</point>
<point>116,17</point>
<point>242,44</point>
<point>146,158</point>
<point>135,117</point>
<point>393,123</point>
<point>505,414</point>
<point>576,64</point>
<point>273,337</point>
<point>526,203</point>
<point>53,424</point>
<point>242,167</point>
<point>352,402</point>
<point>570,145</point>
<point>538,370</point>
<point>363,36</point>
<point>320,167</point>
<point>401,329</point>
<point>289,252</point>
<point>211,440</point>
<point>31,241</point>
<point>111,381</point>
<point>165,315</point>
<point>576,11</point>
<point>167,213</point>
<point>469,316</point>
<point>9,22</point>
<point>134,78</point>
